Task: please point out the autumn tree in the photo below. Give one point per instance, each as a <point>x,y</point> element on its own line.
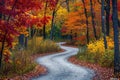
<point>52,24</point>
<point>54,11</point>
<point>93,18</point>
<point>75,25</point>
<point>44,26</point>
<point>87,24</point>
<point>68,5</point>
<point>103,23</point>
<point>17,14</point>
<point>51,5</point>
<point>107,10</point>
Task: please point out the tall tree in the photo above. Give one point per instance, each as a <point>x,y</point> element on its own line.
<point>52,24</point>
<point>44,25</point>
<point>18,14</point>
<point>52,21</point>
<point>4,36</point>
<point>87,29</point>
<point>93,16</point>
<point>107,10</point>
<point>68,7</point>
<point>116,38</point>
<point>103,22</point>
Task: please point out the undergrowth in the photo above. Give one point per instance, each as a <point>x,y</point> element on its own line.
<point>20,60</point>
<point>95,53</point>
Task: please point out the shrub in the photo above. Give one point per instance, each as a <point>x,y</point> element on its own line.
<point>19,63</point>
<point>96,53</point>
<point>48,46</point>
<point>107,58</point>
<point>98,46</point>
<point>42,46</point>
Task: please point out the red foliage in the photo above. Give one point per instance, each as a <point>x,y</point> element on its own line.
<point>14,12</point>
<point>118,5</point>
<point>10,29</point>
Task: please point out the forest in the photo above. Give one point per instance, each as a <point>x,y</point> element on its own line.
<point>59,39</point>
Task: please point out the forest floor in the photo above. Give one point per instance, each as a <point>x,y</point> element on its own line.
<point>101,73</point>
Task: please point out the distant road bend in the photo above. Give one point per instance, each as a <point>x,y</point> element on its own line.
<point>60,69</point>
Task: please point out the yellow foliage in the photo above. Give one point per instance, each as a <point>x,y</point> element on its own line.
<point>14,44</point>
<point>110,43</point>
<point>98,46</point>
<point>6,52</point>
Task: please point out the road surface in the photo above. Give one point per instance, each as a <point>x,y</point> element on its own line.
<point>60,69</point>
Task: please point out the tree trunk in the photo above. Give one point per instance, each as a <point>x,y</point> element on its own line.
<point>4,36</point>
<point>107,9</point>
<point>93,21</point>
<point>67,3</point>
<point>103,24</point>
<point>87,29</point>
<point>71,37</point>
<point>26,42</point>
<point>44,26</point>
<point>116,38</point>
<point>52,25</point>
<point>2,49</point>
<point>33,32</point>
<point>21,40</point>
<point>0,15</point>
<point>2,4</point>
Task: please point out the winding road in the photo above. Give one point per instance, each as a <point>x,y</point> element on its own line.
<point>60,69</point>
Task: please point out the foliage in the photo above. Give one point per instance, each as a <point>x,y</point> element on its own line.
<point>20,60</point>
<point>16,16</point>
<point>52,47</point>
<point>27,17</point>
<point>75,24</point>
<point>61,15</point>
<point>107,58</point>
<point>98,46</point>
<point>19,63</point>
<point>37,45</point>
<point>96,53</point>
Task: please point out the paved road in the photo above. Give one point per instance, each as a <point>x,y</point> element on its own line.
<point>60,69</point>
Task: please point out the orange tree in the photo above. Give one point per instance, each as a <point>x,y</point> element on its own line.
<point>75,25</point>
<point>78,24</point>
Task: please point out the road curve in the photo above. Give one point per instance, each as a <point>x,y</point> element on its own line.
<point>60,69</point>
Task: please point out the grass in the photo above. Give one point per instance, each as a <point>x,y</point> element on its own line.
<point>19,64</point>
<point>37,45</point>
<point>104,60</point>
<point>96,53</point>
<point>20,61</point>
